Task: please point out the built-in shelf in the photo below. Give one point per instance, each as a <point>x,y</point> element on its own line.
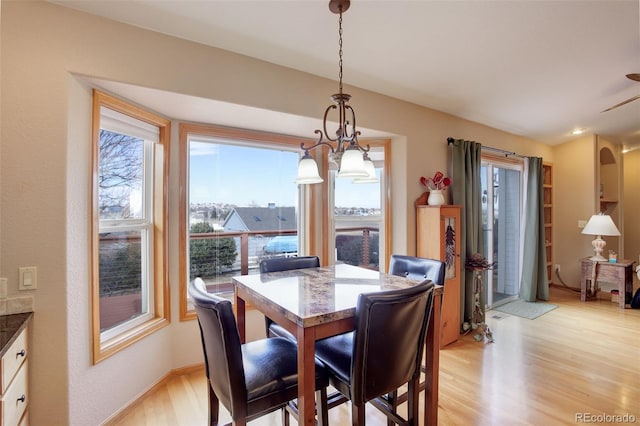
<point>547,200</point>
<point>605,204</point>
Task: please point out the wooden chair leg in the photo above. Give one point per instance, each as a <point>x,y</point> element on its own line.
<point>357,415</point>
<point>322,409</point>
<point>412,401</point>
<point>392,398</point>
<point>214,406</point>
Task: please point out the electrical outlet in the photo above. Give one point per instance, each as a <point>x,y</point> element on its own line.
<point>557,267</point>
<point>582,224</point>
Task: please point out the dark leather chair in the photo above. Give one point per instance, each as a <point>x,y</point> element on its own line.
<point>251,379</point>
<point>417,268</point>
<point>278,264</point>
<point>383,353</point>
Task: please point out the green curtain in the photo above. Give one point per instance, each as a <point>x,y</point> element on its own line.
<point>534,284</point>
<point>466,192</point>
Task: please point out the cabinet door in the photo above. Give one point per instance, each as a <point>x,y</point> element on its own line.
<point>438,237</point>
<point>15,399</point>
<point>13,359</point>
<point>450,228</point>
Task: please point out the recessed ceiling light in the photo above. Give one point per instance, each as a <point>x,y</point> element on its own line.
<point>577,132</point>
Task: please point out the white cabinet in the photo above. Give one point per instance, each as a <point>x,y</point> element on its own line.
<point>14,377</point>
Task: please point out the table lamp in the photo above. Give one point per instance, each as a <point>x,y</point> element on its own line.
<point>599,225</point>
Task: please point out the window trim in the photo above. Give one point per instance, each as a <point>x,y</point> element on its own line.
<point>161,316</point>
<point>186,130</point>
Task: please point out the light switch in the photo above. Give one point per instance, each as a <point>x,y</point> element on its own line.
<point>28,278</point>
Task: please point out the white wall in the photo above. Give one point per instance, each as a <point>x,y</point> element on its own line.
<point>45,175</point>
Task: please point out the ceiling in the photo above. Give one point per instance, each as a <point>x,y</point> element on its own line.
<point>539,69</point>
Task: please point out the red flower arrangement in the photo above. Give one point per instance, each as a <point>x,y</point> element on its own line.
<point>438,182</point>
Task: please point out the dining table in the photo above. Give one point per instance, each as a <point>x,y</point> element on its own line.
<point>315,303</point>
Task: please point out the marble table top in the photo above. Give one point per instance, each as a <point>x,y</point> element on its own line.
<point>316,295</point>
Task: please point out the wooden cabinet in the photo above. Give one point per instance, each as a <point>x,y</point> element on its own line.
<point>547,196</point>
<point>14,376</point>
<point>438,237</point>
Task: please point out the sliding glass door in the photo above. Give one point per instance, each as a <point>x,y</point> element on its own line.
<point>501,216</point>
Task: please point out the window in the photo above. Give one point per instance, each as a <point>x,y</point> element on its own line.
<point>240,205</point>
<point>129,278</point>
<point>360,215</point>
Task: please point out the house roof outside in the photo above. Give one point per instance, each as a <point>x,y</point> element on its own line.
<point>270,218</point>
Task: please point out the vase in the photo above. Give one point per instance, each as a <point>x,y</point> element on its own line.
<point>436,198</point>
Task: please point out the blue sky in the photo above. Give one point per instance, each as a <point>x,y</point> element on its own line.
<point>236,175</point>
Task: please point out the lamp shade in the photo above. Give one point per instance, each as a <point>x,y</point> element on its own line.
<point>371,173</point>
<point>352,164</point>
<point>308,171</point>
<point>601,224</point>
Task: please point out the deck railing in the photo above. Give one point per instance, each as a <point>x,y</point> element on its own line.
<point>217,263</point>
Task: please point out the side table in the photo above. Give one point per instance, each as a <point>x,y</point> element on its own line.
<point>620,273</point>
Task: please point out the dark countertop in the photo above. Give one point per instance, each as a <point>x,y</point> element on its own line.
<point>10,328</point>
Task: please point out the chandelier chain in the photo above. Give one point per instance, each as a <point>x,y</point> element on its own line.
<point>340,51</point>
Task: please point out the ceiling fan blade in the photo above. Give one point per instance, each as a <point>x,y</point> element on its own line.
<point>634,77</point>
<point>622,103</point>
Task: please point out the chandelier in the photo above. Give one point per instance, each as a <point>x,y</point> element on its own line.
<point>345,152</point>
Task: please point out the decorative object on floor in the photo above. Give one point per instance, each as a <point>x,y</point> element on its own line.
<point>436,185</point>
<point>529,310</point>
<point>635,300</point>
<point>345,151</point>
<point>478,264</point>
<point>599,225</point>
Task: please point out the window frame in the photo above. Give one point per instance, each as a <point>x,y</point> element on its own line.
<point>124,335</point>
<point>329,220</point>
<point>243,136</point>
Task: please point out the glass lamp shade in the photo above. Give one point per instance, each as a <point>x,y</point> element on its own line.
<point>371,174</point>
<point>308,171</point>
<point>352,164</point>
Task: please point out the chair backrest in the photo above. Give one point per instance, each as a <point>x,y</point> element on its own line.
<point>389,339</point>
<point>417,268</point>
<point>221,346</point>
<point>277,264</point>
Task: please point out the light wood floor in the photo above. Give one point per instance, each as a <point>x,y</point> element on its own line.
<point>581,359</point>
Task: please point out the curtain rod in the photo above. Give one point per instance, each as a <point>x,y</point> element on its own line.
<point>450,140</point>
